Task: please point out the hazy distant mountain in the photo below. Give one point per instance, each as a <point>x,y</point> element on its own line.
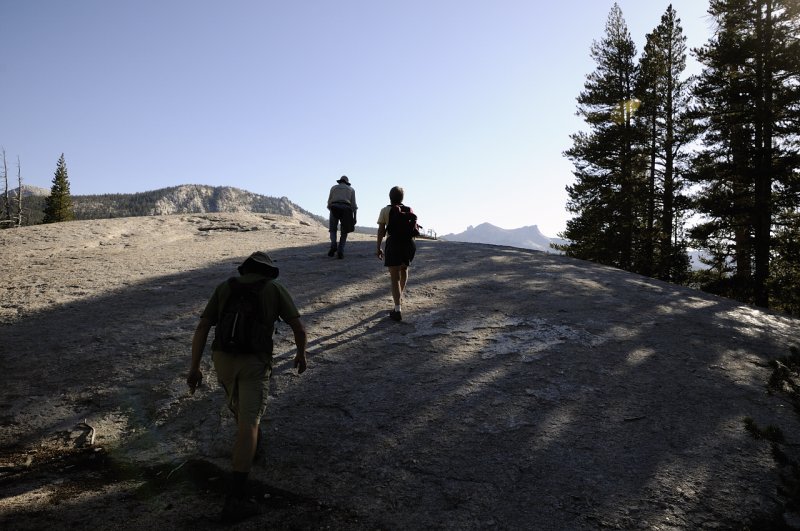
<point>28,191</point>
<point>525,237</point>
<point>184,199</point>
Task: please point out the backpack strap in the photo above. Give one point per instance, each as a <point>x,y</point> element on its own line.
<point>395,210</point>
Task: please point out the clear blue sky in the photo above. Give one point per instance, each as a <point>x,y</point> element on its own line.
<point>467,104</point>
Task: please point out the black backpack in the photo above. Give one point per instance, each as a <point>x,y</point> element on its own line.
<point>241,327</point>
<point>402,223</point>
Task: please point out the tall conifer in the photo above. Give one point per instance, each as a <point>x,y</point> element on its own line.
<point>748,106</point>
<point>665,99</point>
<point>58,206</point>
<point>606,197</point>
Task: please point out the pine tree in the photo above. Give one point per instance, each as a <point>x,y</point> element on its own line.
<point>748,107</point>
<point>785,267</point>
<point>58,206</point>
<point>607,196</point>
<point>664,96</point>
<point>721,166</point>
<point>783,284</point>
<point>650,90</point>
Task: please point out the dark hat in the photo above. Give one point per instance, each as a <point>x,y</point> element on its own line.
<point>262,261</point>
<point>344,179</point>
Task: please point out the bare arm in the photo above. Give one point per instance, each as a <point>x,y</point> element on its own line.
<point>198,345</point>
<point>300,340</point>
<point>381,236</point>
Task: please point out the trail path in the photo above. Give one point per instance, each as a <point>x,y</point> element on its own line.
<point>522,390</point>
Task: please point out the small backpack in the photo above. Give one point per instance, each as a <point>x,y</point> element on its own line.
<point>402,223</point>
<point>241,327</point>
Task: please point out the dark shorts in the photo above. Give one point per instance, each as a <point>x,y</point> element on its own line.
<point>399,252</point>
<point>344,214</point>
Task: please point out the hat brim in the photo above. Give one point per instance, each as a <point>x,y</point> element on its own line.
<point>264,269</point>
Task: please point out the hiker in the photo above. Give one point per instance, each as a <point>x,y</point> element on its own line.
<point>342,206</point>
<point>399,222</point>
<point>245,375</point>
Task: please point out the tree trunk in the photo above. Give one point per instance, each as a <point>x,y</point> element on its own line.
<point>763,176</point>
<point>667,202</point>
<point>6,199</point>
<point>649,249</point>
<point>19,193</point>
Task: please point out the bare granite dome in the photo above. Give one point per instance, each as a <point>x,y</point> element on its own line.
<point>522,390</point>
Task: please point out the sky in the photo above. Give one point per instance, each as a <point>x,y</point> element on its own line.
<point>466,104</point>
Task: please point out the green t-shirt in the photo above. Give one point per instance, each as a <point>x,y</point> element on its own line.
<point>276,302</point>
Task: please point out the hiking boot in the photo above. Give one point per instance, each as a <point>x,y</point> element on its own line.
<point>394,315</point>
<point>238,509</point>
<point>340,254</point>
<point>332,251</point>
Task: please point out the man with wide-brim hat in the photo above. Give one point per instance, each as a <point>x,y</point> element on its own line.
<point>342,206</point>
<point>244,374</point>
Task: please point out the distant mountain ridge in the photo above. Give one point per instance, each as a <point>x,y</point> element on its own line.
<point>196,198</point>
<point>529,237</point>
<point>182,199</point>
<point>28,191</point>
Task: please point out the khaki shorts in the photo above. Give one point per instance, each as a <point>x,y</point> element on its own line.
<point>245,378</point>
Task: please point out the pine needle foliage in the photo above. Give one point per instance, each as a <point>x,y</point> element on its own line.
<point>58,206</point>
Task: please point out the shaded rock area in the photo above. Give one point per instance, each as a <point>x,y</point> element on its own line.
<point>522,390</point>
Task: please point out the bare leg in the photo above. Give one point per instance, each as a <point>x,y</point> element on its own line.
<point>403,279</point>
<point>245,446</point>
<point>398,277</point>
<point>395,279</point>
